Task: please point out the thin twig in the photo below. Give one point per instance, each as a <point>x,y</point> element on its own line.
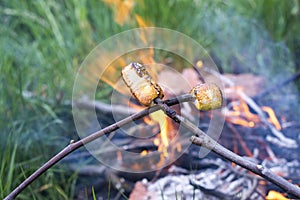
<point>75,145</point>
<point>202,139</point>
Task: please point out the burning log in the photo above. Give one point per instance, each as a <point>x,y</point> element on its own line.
<point>286,141</point>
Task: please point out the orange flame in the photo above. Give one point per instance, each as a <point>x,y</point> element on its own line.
<point>121,9</point>
<point>141,22</point>
<point>274,195</point>
<point>144,152</point>
<point>240,114</point>
<point>272,117</point>
<point>160,118</point>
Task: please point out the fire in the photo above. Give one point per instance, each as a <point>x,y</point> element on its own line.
<point>166,128</point>
<point>156,141</point>
<point>240,114</point>
<point>142,23</point>
<point>121,9</point>
<point>274,195</point>
<point>160,118</point>
<point>272,117</point>
<point>144,152</point>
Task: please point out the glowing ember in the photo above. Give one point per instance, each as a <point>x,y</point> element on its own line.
<point>144,152</point>
<point>241,122</point>
<point>275,195</point>
<point>119,156</point>
<point>178,147</point>
<point>156,141</point>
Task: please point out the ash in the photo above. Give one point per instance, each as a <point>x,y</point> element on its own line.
<point>219,181</point>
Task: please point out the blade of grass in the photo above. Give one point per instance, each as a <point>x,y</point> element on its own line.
<point>93,193</point>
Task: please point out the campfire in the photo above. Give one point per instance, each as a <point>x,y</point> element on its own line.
<point>153,157</point>
<point>250,130</point>
<point>158,118</point>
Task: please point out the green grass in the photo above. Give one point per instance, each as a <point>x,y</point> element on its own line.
<point>280,18</point>
<point>43,43</point>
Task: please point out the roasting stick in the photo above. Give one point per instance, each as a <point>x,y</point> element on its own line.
<point>206,97</point>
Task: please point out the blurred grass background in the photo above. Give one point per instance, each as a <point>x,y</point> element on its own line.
<point>42,44</point>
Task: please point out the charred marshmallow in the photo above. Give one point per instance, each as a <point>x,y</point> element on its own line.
<point>143,88</point>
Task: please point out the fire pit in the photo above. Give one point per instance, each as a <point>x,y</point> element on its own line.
<point>252,126</point>
<point>153,156</point>
<point>250,130</point>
